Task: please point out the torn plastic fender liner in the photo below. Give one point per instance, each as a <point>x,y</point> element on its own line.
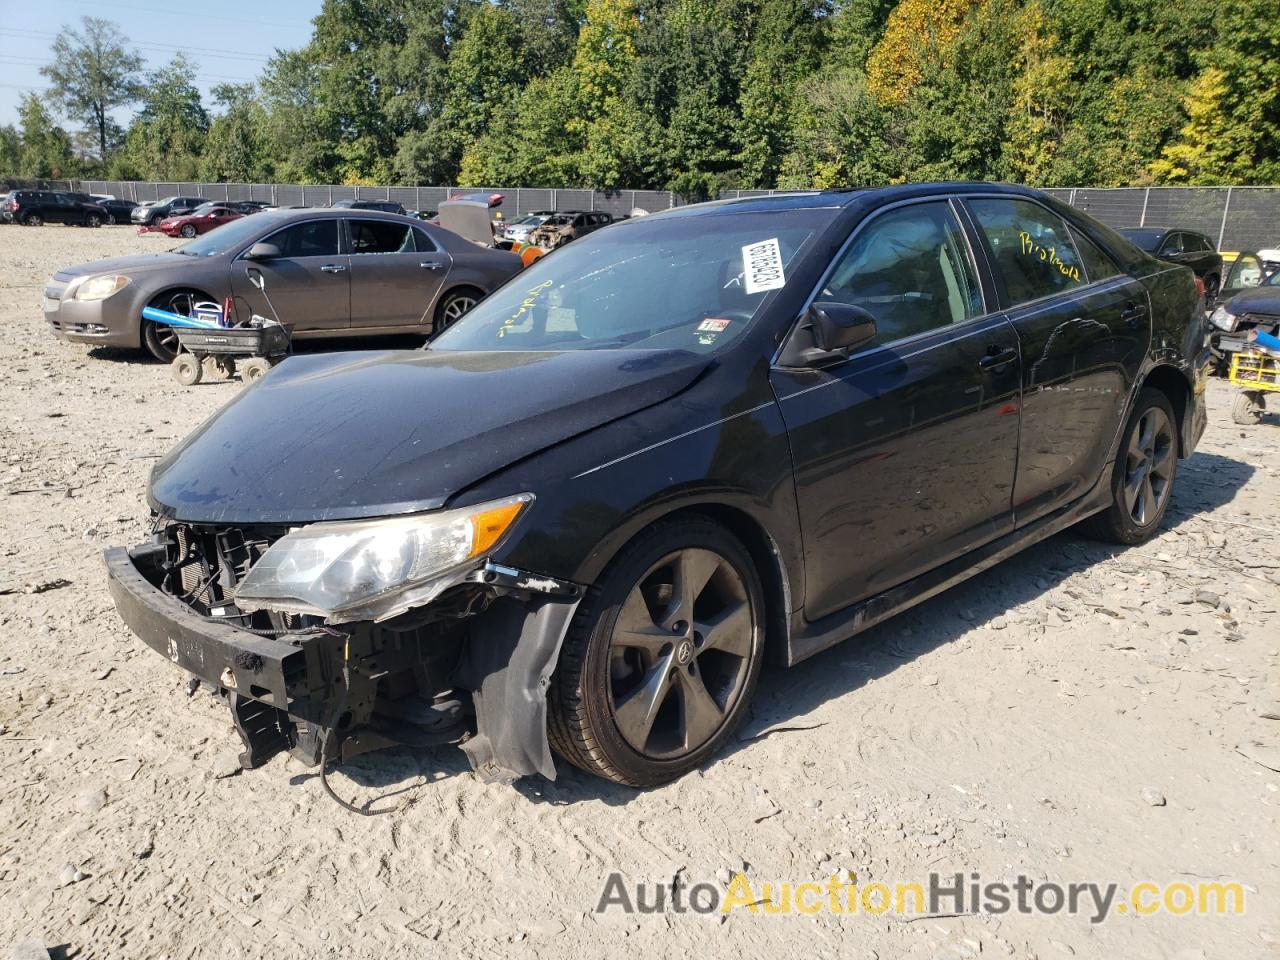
<point>511,655</point>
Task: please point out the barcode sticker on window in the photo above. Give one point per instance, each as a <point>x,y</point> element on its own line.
<point>762,266</point>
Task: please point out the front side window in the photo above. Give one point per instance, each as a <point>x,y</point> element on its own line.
<point>910,269</point>
<point>377,236</point>
<point>688,283</point>
<point>316,238</point>
<point>1032,249</point>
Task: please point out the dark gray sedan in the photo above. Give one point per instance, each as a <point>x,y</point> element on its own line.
<point>330,273</point>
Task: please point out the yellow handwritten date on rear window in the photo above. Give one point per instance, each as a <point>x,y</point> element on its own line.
<point>1049,255</point>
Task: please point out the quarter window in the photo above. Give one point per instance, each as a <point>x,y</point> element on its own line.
<point>911,270</point>
<point>1097,264</point>
<point>1031,247</point>
<point>315,238</point>
<point>376,236</point>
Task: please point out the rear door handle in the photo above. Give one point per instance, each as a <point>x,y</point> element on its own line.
<point>1133,313</point>
<point>997,356</point>
<point>431,265</point>
<point>332,268</point>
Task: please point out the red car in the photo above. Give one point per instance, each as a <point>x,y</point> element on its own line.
<point>200,220</point>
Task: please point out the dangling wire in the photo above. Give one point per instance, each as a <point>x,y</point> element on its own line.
<point>324,742</point>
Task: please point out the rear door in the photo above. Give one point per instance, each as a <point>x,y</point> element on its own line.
<point>309,284</point>
<point>905,453</point>
<point>396,272</point>
<point>59,208</point>
<point>1083,329</point>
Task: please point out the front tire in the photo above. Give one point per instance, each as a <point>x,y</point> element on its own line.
<point>1142,481</point>
<point>93,220</point>
<point>188,231</point>
<point>159,339</point>
<point>662,658</point>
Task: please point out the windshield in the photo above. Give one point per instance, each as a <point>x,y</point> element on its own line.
<point>204,208</point>
<point>165,201</point>
<point>226,237</point>
<point>690,283</point>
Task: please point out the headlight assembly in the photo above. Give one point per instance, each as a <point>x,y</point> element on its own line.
<point>99,288</point>
<point>374,569</point>
<point>1224,319</point>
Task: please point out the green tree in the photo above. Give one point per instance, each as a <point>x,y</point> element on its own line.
<point>786,45</point>
<point>917,33</point>
<point>1232,132</point>
<point>842,136</point>
<point>46,147</point>
<point>236,149</point>
<point>298,127</point>
<point>165,140</point>
<point>10,149</point>
<point>92,74</point>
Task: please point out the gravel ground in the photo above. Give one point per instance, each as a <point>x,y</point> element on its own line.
<point>1077,713</point>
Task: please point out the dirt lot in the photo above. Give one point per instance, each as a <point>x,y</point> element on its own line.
<point>1074,714</point>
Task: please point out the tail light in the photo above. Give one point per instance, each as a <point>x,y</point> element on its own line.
<point>1199,287</point>
<point>13,204</point>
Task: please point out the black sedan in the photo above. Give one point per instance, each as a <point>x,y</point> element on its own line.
<point>1250,302</point>
<point>587,513</point>
<point>1185,247</point>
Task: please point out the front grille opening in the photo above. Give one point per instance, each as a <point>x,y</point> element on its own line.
<point>204,564</point>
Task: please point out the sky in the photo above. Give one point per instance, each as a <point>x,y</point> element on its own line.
<point>228,41</point>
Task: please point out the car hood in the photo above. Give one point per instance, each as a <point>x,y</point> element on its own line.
<point>1256,300</point>
<point>347,435</point>
<point>133,264</point>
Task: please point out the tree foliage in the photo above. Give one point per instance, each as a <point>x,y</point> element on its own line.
<point>91,75</point>
<point>702,95</point>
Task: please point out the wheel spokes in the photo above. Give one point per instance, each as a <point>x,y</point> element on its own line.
<point>692,570</point>
<point>636,712</point>
<point>636,628</point>
<point>729,631</point>
<point>700,715</point>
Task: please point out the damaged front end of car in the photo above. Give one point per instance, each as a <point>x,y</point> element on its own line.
<point>334,639</point>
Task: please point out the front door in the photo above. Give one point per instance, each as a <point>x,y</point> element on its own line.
<point>904,453</point>
<point>309,284</point>
<point>394,281</point>
<point>1083,327</point>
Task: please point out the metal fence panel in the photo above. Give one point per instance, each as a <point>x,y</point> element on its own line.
<point>1237,218</point>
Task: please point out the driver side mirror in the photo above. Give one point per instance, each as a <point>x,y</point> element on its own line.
<point>837,330</point>
<point>262,251</point>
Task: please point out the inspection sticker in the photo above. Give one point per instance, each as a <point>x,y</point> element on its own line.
<point>712,325</point>
<point>762,265</point>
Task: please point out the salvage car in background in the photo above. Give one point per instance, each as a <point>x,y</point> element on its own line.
<point>118,210</point>
<point>202,219</point>
<point>1250,301</point>
<point>149,213</point>
<point>586,514</point>
<point>518,230</point>
<point>329,273</point>
<point>1185,247</point>
<point>34,208</point>
<point>561,228</point>
<point>386,206</point>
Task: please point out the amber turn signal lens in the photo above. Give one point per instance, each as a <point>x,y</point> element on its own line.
<point>492,524</point>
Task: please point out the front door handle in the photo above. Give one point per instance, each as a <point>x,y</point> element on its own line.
<point>431,265</point>
<point>332,268</point>
<point>997,356</point>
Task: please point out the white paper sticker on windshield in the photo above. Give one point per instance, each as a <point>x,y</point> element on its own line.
<point>762,266</point>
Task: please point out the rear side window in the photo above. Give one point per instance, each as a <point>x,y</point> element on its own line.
<point>376,236</point>
<point>911,270</point>
<point>1172,244</point>
<point>1031,247</point>
<point>316,238</point>
<point>1097,264</point>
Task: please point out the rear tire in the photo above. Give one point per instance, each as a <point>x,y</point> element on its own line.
<point>33,220</point>
<point>1145,468</point>
<point>454,306</point>
<point>662,657</point>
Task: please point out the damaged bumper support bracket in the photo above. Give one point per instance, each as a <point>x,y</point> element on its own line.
<point>282,690</point>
